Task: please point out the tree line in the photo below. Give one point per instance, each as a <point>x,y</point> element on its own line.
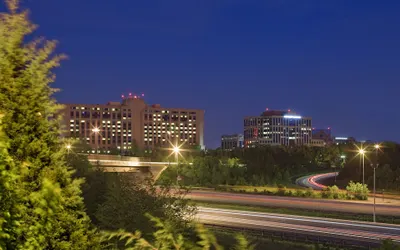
<point>387,173</point>
<point>274,165</point>
<point>252,166</point>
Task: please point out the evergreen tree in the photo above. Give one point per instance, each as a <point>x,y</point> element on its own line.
<point>8,205</point>
<point>41,205</point>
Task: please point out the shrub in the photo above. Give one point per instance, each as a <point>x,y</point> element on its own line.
<point>268,192</point>
<point>331,192</point>
<point>309,193</point>
<point>289,193</point>
<point>300,193</point>
<point>281,191</point>
<point>357,191</point>
<point>281,186</point>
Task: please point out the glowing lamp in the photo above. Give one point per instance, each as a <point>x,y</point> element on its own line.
<point>176,150</point>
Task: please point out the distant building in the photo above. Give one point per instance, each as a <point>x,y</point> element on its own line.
<point>318,143</point>
<point>344,140</point>
<point>230,142</point>
<point>133,122</point>
<point>276,127</point>
<point>323,134</point>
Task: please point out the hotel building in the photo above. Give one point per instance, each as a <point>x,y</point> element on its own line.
<point>275,127</point>
<point>132,122</point>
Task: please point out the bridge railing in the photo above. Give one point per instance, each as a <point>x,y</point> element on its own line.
<point>129,163</point>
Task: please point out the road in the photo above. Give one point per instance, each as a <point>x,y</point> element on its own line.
<point>312,180</point>
<point>358,207</point>
<point>356,232</point>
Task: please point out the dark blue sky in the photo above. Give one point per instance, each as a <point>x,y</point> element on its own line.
<point>337,61</point>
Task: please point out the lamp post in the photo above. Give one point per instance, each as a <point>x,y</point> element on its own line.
<point>176,151</point>
<point>377,147</point>
<point>96,131</point>
<point>343,158</point>
<point>362,153</point>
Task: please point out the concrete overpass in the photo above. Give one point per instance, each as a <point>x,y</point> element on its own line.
<point>117,163</point>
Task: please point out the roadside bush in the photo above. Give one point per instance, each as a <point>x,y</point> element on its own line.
<point>267,192</point>
<point>300,193</point>
<point>281,186</point>
<point>221,188</point>
<point>281,191</point>
<point>357,191</point>
<point>289,193</point>
<point>310,193</point>
<point>331,192</point>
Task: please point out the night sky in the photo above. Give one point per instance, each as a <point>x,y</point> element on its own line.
<point>336,61</point>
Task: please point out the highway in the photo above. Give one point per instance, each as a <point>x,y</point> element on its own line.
<point>350,231</point>
<point>358,207</point>
<point>312,180</point>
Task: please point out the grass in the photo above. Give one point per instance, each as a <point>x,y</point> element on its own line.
<point>302,212</point>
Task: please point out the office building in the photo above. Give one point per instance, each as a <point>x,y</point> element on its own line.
<point>324,135</point>
<point>230,142</point>
<point>344,140</point>
<point>317,143</point>
<point>132,122</point>
<point>275,127</point>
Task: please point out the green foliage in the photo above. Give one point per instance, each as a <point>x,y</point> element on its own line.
<point>242,243</point>
<point>357,191</point>
<point>387,174</point>
<point>251,166</point>
<point>8,205</point>
<point>127,199</point>
<point>40,202</point>
<point>389,245</point>
<point>166,239</point>
<point>332,193</point>
<point>328,193</point>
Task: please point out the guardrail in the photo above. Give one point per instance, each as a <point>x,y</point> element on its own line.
<point>299,237</point>
<point>129,163</point>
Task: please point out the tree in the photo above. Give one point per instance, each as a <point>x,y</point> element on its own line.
<point>8,203</point>
<point>46,206</point>
<point>127,200</point>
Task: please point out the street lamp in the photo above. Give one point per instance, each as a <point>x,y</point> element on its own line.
<point>362,153</point>
<point>176,151</point>
<point>377,147</point>
<point>96,131</point>
<point>343,158</point>
<point>68,147</point>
